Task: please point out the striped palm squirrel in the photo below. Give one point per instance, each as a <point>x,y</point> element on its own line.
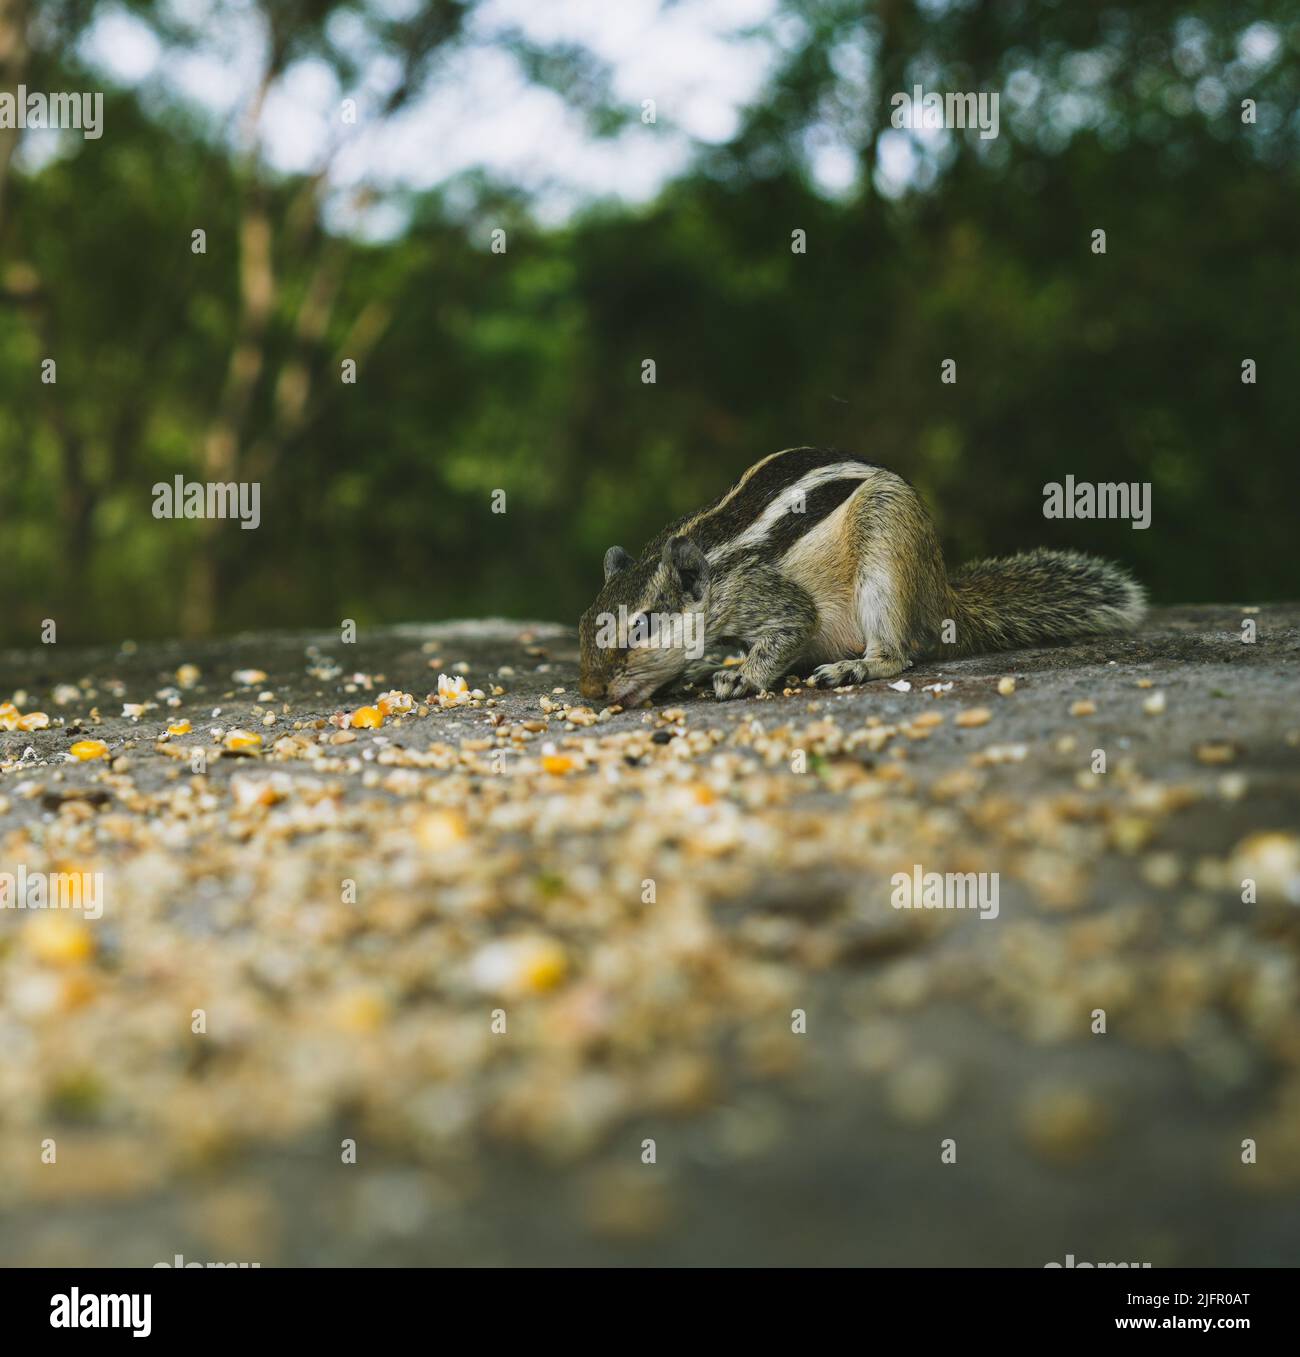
<point>821,558</point>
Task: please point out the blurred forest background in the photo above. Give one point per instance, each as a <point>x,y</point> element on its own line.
<point>522,371</point>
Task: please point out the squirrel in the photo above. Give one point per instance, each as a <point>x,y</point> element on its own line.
<point>820,557</point>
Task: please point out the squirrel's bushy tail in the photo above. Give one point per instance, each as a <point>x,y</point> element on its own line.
<point>1041,596</point>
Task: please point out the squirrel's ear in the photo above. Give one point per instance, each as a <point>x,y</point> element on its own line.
<point>616,559</point>
<point>689,565</point>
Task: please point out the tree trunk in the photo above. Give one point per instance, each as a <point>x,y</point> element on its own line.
<point>13,67</point>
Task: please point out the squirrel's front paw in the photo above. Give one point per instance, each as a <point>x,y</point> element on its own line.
<point>728,683</point>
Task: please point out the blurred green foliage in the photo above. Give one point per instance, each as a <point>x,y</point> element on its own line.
<point>522,371</point>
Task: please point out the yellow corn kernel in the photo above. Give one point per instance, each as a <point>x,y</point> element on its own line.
<point>88,749</point>
<point>77,989</point>
<point>438,830</point>
<point>453,692</point>
<point>395,703</point>
<point>179,728</point>
<point>367,718</point>
<point>242,741</point>
<point>58,940</point>
<point>360,1010</point>
<point>558,764</point>
<point>973,716</point>
<point>544,968</point>
<point>34,720</point>
<point>522,965</point>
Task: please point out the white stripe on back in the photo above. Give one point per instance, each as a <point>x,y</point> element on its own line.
<point>783,502</point>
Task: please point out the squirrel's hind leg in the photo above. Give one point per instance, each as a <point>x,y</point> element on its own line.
<point>901,591</point>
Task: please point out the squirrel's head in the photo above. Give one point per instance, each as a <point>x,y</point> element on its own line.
<point>646,624</point>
